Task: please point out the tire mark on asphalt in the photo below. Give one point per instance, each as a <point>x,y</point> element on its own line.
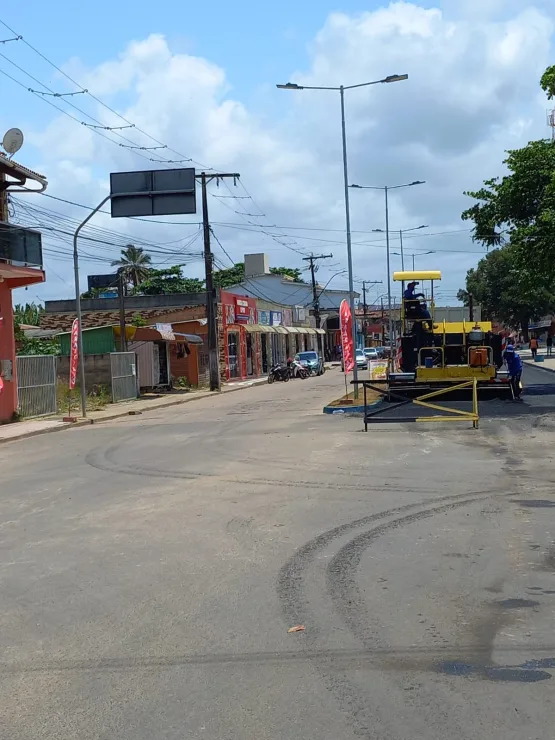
<point>296,610</point>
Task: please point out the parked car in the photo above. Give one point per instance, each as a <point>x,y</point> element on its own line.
<point>371,353</point>
<point>312,361</point>
<point>360,359</point>
<point>380,351</point>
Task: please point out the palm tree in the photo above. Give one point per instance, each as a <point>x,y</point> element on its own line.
<point>134,264</point>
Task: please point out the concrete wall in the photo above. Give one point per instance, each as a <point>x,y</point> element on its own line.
<point>131,302</point>
<point>97,370</point>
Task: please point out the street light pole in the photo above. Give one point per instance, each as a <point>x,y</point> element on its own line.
<point>81,358</point>
<point>402,255</point>
<point>390,323</point>
<point>341,89</point>
<point>386,189</point>
<point>349,245</point>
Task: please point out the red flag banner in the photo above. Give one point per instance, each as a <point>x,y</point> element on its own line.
<point>74,354</point>
<point>346,323</point>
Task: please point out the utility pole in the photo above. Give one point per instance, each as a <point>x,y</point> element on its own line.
<point>315,297</point>
<point>471,307</point>
<point>121,294</point>
<point>213,354</point>
<point>365,307</point>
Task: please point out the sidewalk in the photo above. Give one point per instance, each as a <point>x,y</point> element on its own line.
<point>547,364</point>
<point>32,427</point>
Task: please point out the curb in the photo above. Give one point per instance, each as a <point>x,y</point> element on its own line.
<point>120,414</point>
<point>539,366</point>
<point>349,409</point>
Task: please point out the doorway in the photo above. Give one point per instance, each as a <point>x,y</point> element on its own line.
<point>264,351</point>
<point>250,363</point>
<point>232,340</point>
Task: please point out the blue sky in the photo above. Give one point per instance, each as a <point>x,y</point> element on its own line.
<point>201,78</point>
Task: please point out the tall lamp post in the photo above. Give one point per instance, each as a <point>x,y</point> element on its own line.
<point>386,189</point>
<point>341,89</point>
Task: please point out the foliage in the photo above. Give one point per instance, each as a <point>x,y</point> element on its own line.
<point>34,346</point>
<point>517,213</point>
<point>27,314</point>
<point>170,280</point>
<point>547,82</point>
<point>292,272</point>
<point>138,320</point>
<point>134,263</point>
<point>98,396</point>
<point>182,383</point>
<point>506,291</point>
<point>236,274</point>
<point>230,276</point>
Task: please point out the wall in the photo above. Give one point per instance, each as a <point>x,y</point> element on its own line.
<point>97,370</point>
<point>8,397</point>
<point>98,341</point>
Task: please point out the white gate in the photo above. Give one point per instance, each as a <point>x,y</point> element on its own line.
<point>124,376</point>
<point>36,385</point>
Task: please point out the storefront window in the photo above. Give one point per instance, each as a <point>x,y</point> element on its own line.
<point>250,359</point>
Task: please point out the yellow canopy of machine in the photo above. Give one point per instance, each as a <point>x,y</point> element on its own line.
<point>407,276</point>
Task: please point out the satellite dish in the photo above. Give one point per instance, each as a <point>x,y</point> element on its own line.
<point>12,141</point>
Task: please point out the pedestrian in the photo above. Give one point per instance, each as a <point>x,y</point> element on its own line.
<point>549,345</point>
<point>534,347</point>
<point>514,366</point>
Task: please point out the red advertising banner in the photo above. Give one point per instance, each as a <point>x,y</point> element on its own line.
<point>74,354</point>
<point>346,323</point>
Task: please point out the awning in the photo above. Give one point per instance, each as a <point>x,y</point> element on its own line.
<point>320,331</point>
<point>310,330</point>
<point>259,328</point>
<point>281,330</point>
<point>292,329</point>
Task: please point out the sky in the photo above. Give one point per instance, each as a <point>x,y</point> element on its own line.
<point>200,81</point>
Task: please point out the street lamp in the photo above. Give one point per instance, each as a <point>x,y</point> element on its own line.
<point>386,189</point>
<point>401,232</point>
<point>341,89</point>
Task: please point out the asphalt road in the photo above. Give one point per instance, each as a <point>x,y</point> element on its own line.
<point>151,567</point>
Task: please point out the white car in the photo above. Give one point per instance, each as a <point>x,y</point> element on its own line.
<point>371,353</point>
<point>360,359</point>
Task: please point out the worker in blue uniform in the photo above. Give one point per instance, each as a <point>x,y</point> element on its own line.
<point>415,308</point>
<point>514,366</point>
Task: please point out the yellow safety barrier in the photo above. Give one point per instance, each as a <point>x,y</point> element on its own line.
<point>455,414</point>
<point>375,415</point>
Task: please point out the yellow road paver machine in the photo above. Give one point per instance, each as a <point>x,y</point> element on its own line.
<point>436,353</point>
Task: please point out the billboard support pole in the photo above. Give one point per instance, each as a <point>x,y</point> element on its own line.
<point>78,307</point>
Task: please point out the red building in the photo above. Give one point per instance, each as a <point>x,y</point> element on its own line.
<point>18,248</point>
<point>241,341</point>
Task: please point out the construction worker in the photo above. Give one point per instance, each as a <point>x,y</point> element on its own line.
<point>415,308</point>
<point>514,366</point>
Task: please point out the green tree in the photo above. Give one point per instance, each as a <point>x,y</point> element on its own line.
<point>230,276</point>
<point>134,263</point>
<point>506,291</point>
<point>34,346</point>
<point>292,272</point>
<point>547,82</point>
<point>28,313</point>
<point>170,280</point>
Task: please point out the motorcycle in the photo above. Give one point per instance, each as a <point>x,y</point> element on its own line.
<point>297,370</point>
<point>277,372</point>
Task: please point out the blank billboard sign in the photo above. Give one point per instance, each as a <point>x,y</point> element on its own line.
<point>153,193</point>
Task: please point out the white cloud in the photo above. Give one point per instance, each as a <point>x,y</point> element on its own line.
<point>471,94</point>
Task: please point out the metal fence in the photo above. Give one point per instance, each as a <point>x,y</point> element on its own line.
<point>124,376</point>
<point>36,385</point>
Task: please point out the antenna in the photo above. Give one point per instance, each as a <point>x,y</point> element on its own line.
<point>12,141</point>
